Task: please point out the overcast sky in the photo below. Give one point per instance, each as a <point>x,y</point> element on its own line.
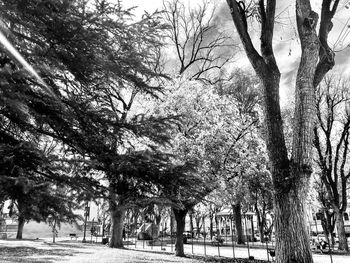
<point>286,43</point>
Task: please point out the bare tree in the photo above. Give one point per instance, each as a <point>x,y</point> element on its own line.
<point>202,50</point>
<point>332,144</point>
<point>326,212</point>
<point>291,176</point>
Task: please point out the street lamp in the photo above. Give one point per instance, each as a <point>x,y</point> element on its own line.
<point>86,214</point>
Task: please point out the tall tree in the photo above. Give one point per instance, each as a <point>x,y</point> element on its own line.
<point>95,63</point>
<point>290,175</point>
<point>331,142</point>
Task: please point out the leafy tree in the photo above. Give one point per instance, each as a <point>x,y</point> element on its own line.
<point>213,205</point>
<point>201,137</point>
<point>331,142</point>
<point>290,175</point>
<point>232,159</point>
<point>23,178</point>
<point>260,185</point>
<point>198,111</point>
<point>96,61</point>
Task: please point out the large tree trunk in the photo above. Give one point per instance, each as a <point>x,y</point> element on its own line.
<point>343,244</point>
<point>117,220</point>
<point>180,216</point>
<point>21,222</point>
<point>291,179</point>
<point>292,240</point>
<point>238,223</point>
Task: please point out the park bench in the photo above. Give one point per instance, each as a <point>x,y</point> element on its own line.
<point>73,235</point>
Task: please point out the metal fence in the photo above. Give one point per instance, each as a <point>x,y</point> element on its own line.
<point>201,243</point>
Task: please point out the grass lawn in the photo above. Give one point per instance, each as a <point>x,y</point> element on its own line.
<point>43,251</point>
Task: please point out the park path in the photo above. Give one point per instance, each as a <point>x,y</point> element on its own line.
<point>43,251</point>
<point>238,252</point>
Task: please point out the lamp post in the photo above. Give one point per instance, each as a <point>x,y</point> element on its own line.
<point>86,214</point>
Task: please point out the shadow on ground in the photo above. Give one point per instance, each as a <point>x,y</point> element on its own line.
<point>29,254</point>
<point>206,259</point>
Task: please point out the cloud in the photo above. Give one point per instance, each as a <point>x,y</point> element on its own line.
<point>342,59</point>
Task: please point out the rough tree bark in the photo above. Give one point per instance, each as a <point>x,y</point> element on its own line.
<point>117,211</point>
<point>21,222</point>
<point>343,243</point>
<point>237,213</point>
<point>21,219</point>
<point>117,218</point>
<point>290,177</point>
<point>180,216</point>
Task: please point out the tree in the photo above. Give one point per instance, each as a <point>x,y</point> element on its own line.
<point>326,212</point>
<point>95,63</point>
<point>199,110</point>
<point>24,180</point>
<point>202,50</point>
<point>232,160</point>
<point>213,205</point>
<point>331,142</point>
<point>260,185</point>
<point>206,125</point>
<point>290,176</point>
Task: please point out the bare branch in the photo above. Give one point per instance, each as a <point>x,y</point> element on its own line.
<point>255,59</point>
<point>326,54</point>
<point>197,39</point>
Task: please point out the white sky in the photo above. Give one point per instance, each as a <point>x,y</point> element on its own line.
<point>286,44</point>
<point>152,5</point>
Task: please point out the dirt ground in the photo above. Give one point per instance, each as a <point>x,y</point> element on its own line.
<point>69,251</point>
<point>64,251</point>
